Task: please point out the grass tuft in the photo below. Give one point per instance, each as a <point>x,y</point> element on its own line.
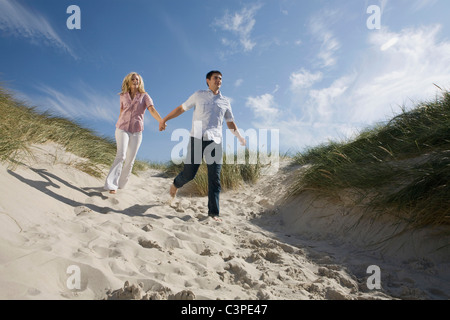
<point>233,175</point>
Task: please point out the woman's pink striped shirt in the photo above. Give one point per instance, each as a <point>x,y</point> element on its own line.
<point>132,112</point>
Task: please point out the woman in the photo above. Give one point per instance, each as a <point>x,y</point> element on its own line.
<point>134,101</point>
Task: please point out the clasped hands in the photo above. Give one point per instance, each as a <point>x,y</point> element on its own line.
<point>162,125</point>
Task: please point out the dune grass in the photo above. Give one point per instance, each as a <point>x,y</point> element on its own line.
<point>401,167</point>
<point>232,176</point>
<point>22,126</point>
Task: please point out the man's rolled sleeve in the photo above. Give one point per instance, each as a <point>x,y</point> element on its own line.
<point>190,103</point>
<point>229,117</point>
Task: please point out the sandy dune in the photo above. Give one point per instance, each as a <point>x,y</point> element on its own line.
<point>63,237</point>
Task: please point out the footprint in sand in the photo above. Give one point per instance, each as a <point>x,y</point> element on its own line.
<point>110,199</point>
<point>82,210</point>
<point>113,201</point>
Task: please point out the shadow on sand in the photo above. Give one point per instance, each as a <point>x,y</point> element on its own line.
<point>50,181</point>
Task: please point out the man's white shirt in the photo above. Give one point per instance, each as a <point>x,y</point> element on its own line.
<point>209,112</point>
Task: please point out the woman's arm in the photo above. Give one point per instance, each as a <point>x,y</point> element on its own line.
<point>154,113</point>
<point>157,117</point>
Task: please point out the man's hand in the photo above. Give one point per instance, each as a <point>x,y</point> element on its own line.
<point>234,130</point>
<point>242,141</point>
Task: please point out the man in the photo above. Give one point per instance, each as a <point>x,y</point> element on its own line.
<point>210,109</point>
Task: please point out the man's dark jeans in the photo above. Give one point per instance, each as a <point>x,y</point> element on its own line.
<point>212,152</point>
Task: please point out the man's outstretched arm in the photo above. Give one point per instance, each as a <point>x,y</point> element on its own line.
<point>175,113</point>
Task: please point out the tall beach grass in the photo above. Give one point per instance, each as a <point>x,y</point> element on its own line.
<point>232,176</point>
<point>401,167</point>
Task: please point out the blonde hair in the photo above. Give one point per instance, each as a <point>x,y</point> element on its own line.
<point>126,83</point>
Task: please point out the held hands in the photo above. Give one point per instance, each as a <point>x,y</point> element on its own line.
<point>162,125</point>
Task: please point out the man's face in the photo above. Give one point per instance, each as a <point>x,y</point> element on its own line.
<point>215,82</point>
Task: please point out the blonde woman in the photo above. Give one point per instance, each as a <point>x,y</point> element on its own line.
<point>134,101</point>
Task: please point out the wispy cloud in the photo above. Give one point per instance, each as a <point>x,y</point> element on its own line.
<point>304,79</point>
<point>240,24</point>
<point>320,28</point>
<point>19,21</point>
<point>238,82</point>
<point>184,39</point>
<point>418,5</point>
<point>82,103</point>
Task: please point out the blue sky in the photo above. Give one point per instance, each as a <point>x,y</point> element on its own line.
<point>313,70</point>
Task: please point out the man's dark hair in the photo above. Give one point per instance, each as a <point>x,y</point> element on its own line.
<point>210,74</point>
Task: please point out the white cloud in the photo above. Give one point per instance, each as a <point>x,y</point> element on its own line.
<point>391,42</point>
<point>263,107</point>
<point>297,134</point>
<point>238,82</point>
<point>241,25</point>
<point>21,22</point>
<point>398,70</point>
<point>390,74</point>
<point>401,74</point>
<point>322,103</point>
<point>320,28</point>
<point>304,79</point>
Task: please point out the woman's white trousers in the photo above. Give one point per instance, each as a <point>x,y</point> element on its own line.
<point>127,147</point>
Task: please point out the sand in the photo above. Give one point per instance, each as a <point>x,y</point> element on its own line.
<point>63,237</point>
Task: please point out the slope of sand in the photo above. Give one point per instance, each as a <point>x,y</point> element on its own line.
<point>138,245</point>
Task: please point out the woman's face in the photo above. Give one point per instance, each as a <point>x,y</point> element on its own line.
<point>134,82</point>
